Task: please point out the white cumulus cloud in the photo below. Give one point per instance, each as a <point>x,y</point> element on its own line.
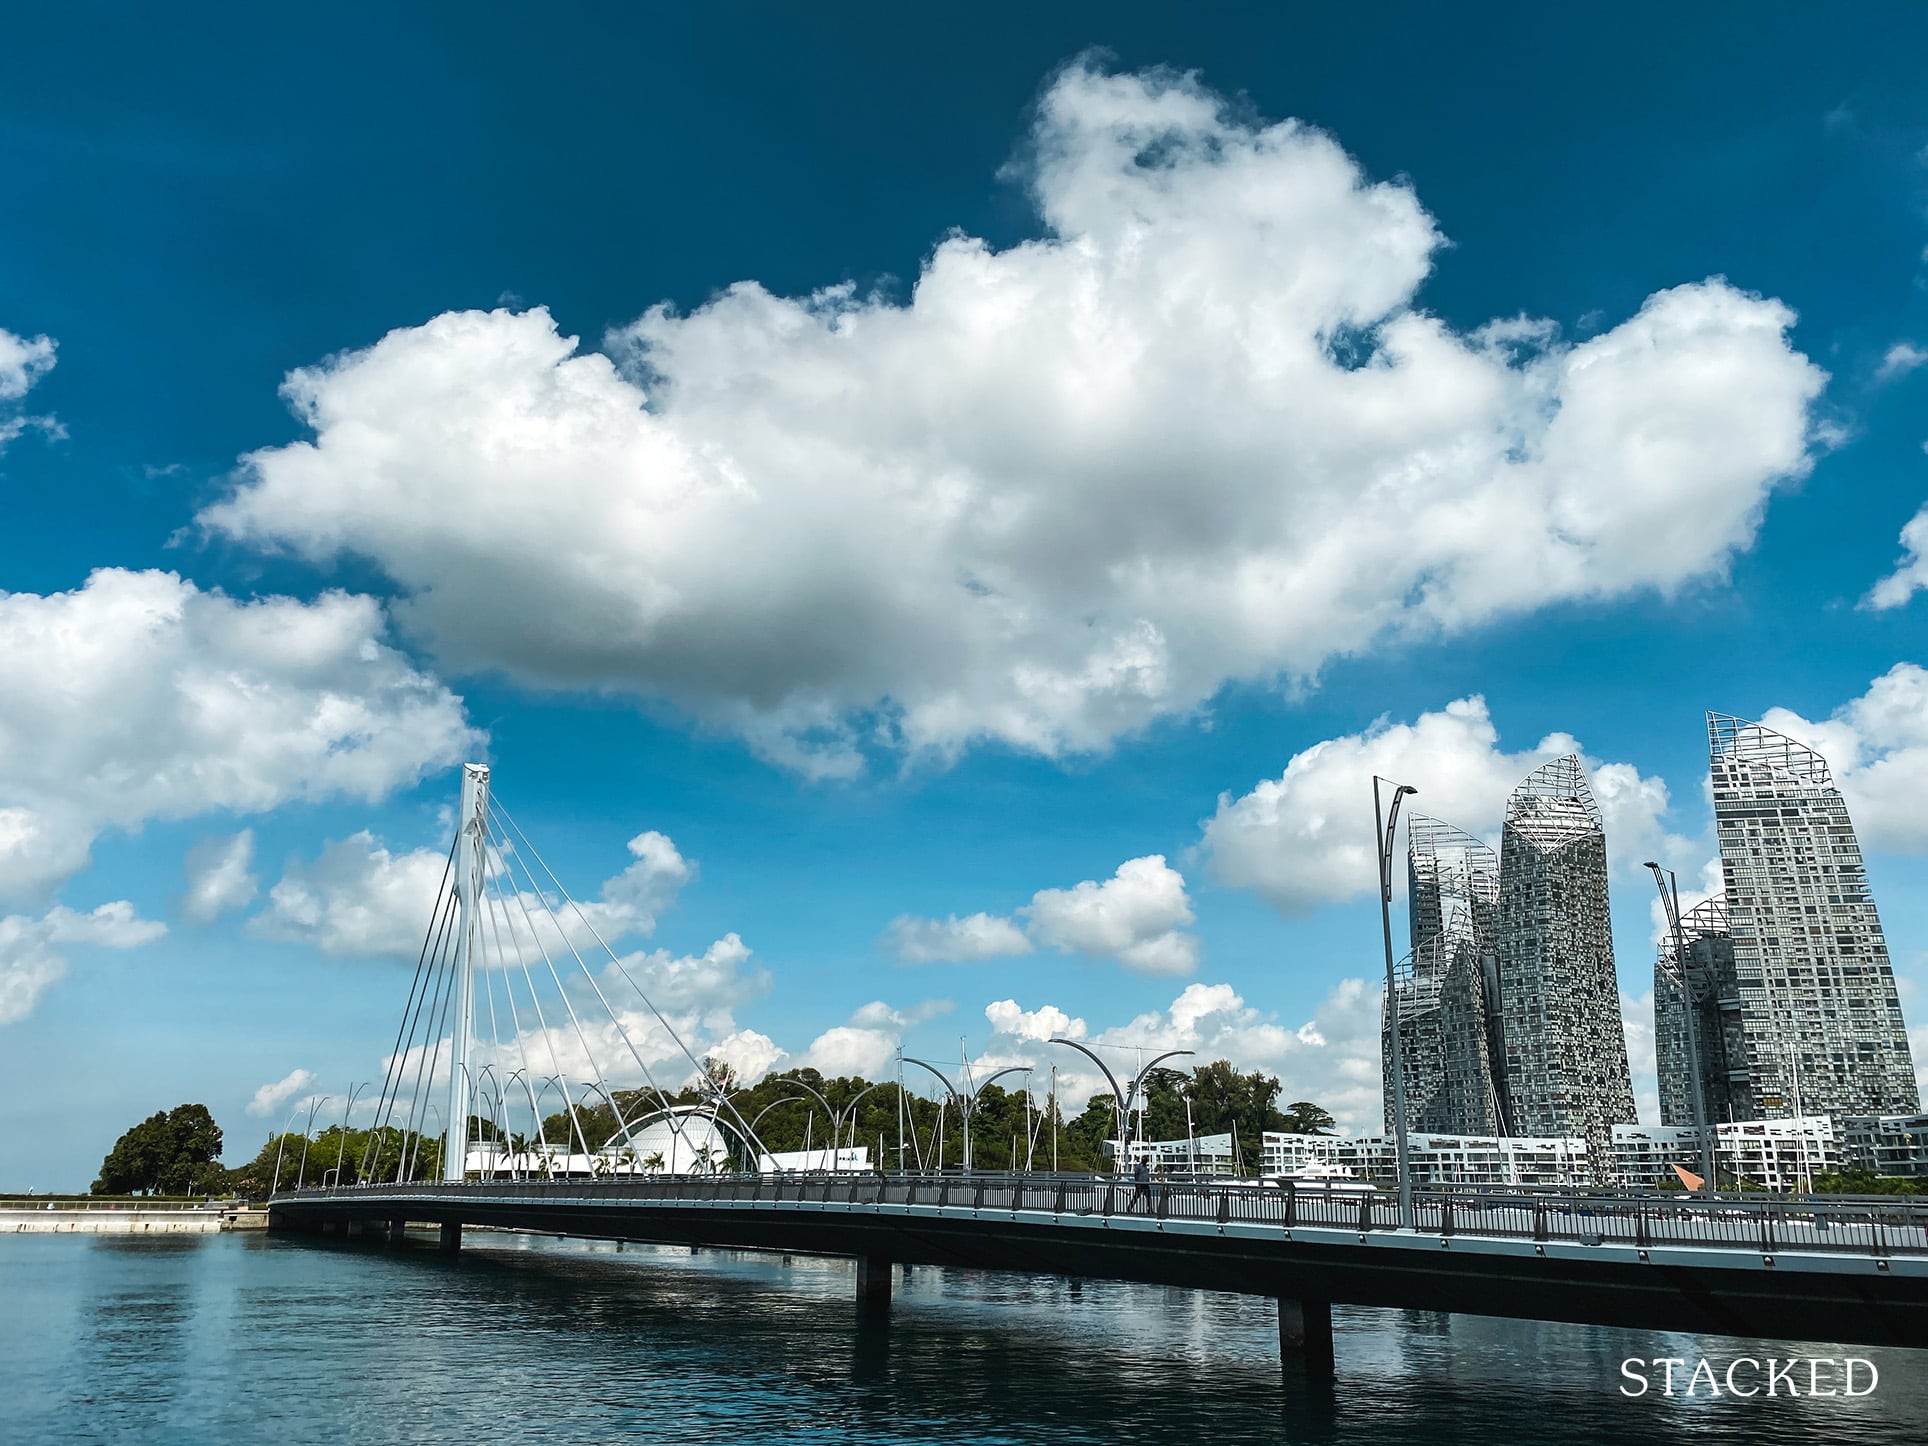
<point>1900,359</point>
<point>30,957</point>
<point>868,1042</point>
<point>23,361</point>
<point>1008,1017</point>
<point>1877,748</point>
<point>1331,1058</point>
<point>358,899</point>
<point>1198,429</point>
<point>1911,568</point>
<point>273,1095</point>
<point>218,877</point>
<point>975,937</point>
<point>1306,837</point>
<point>1137,917</point>
<point>139,696</point>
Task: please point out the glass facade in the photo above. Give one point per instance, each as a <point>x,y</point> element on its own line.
<point>1707,977</point>
<point>1817,1020</point>
<point>1447,1021</point>
<point>1564,1068</point>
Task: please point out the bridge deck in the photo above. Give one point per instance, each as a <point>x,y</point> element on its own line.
<point>1846,1271</point>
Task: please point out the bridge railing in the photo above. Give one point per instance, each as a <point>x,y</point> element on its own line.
<point>1858,1226</point>
<point>1869,1226</point>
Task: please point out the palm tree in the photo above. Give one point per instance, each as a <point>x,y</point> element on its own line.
<point>653,1162</point>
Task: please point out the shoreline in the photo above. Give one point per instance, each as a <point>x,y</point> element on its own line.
<point>130,1220</point>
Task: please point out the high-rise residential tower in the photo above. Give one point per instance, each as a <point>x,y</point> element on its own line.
<point>1564,1068</point>
<point>1447,1020</point>
<point>1820,1022</point>
<point>1442,1028</point>
<point>1706,976</point>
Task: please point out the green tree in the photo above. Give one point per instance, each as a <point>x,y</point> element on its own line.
<point>1223,1100</point>
<point>1086,1135</point>
<point>1164,1094</point>
<point>1305,1118</point>
<point>173,1151</point>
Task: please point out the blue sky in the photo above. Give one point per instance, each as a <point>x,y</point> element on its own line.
<point>995,447</point>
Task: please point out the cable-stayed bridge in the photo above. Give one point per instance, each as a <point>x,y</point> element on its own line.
<point>518,994</point>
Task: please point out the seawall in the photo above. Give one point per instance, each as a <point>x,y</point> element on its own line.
<point>128,1220</point>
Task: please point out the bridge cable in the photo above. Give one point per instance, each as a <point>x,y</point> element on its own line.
<point>418,1105</point>
<point>441,1031</point>
<point>433,980</point>
<point>548,1036</point>
<point>391,1066</point>
<point>709,1085</point>
<point>588,1053</point>
<point>515,1018</point>
<point>676,1126</point>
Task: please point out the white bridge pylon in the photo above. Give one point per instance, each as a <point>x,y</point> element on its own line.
<point>471,842</point>
<point>518,997</point>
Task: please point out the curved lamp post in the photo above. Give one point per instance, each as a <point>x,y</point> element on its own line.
<point>341,1146</point>
<point>837,1117</point>
<point>405,1168</point>
<point>1123,1096</point>
<point>757,1118</point>
<point>1385,825</point>
<point>966,1104</point>
<point>313,1108</point>
<point>1669,887</point>
<point>535,1116</point>
<point>622,1125</point>
<point>282,1145</point>
<point>828,1114</point>
<point>568,1109</point>
<point>849,1113</point>
<point>490,1088</point>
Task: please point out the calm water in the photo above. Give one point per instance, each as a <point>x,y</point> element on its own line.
<point>246,1338</point>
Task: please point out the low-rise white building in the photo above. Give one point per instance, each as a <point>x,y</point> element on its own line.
<point>1775,1154</point>
<point>1437,1160</point>
<point>1200,1155</point>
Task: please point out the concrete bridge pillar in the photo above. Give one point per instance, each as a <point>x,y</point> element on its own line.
<point>397,1231</point>
<point>354,1230</point>
<point>451,1235</point>
<point>1305,1335</point>
<point>873,1284</point>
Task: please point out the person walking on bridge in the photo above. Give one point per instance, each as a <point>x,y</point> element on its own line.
<point>1140,1186</point>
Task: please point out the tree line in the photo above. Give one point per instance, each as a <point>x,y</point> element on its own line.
<point>177,1152</point>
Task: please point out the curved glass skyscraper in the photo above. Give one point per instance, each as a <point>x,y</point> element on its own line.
<point>1564,1067</point>
<point>1446,985</point>
<point>1706,976</point>
<point>1819,1021</point>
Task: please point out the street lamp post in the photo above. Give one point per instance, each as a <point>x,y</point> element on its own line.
<point>1123,1096</point>
<point>280,1146</point>
<point>341,1146</point>
<point>967,1104</point>
<point>1385,824</point>
<point>849,1113</point>
<point>1669,887</point>
<point>313,1107</point>
<point>830,1116</point>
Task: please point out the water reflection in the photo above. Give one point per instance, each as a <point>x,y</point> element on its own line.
<point>232,1337</point>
